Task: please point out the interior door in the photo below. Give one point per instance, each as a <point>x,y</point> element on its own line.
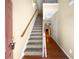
<point>8,29</point>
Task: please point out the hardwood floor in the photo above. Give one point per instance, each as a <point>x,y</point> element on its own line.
<point>53,51</point>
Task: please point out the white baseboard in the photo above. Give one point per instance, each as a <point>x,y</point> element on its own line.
<point>63,50</point>
<point>22,53</point>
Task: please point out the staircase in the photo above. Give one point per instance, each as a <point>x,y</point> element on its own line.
<point>34,45</point>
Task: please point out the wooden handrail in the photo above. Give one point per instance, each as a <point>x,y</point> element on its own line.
<point>28,24</point>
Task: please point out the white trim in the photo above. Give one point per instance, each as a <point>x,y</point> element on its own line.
<point>44,53</point>
<point>43,43</point>
<point>63,50</point>
<point>22,52</point>
<point>24,48</point>
<point>44,49</point>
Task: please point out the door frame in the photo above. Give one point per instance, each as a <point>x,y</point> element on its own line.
<point>8,30</point>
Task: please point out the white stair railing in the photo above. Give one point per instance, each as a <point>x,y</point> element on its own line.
<point>44,49</point>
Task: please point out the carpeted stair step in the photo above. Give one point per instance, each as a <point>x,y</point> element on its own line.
<point>34,43</point>
<point>33,53</point>
<point>35,39</point>
<point>36,36</point>
<point>37,31</point>
<point>34,46</point>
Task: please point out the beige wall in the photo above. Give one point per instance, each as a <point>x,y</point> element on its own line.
<point>65,20</point>
<point>22,13</point>
<point>55,27</point>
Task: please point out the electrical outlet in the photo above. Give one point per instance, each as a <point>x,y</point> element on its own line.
<point>70,51</point>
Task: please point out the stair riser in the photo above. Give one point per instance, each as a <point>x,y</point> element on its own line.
<point>34,44</point>
<point>35,39</point>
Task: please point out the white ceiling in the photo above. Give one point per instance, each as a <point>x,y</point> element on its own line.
<point>49,9</point>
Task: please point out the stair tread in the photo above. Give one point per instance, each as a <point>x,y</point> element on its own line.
<point>35,36</point>
<point>32,53</point>
<point>36,31</point>
<point>35,40</point>
<point>34,46</point>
